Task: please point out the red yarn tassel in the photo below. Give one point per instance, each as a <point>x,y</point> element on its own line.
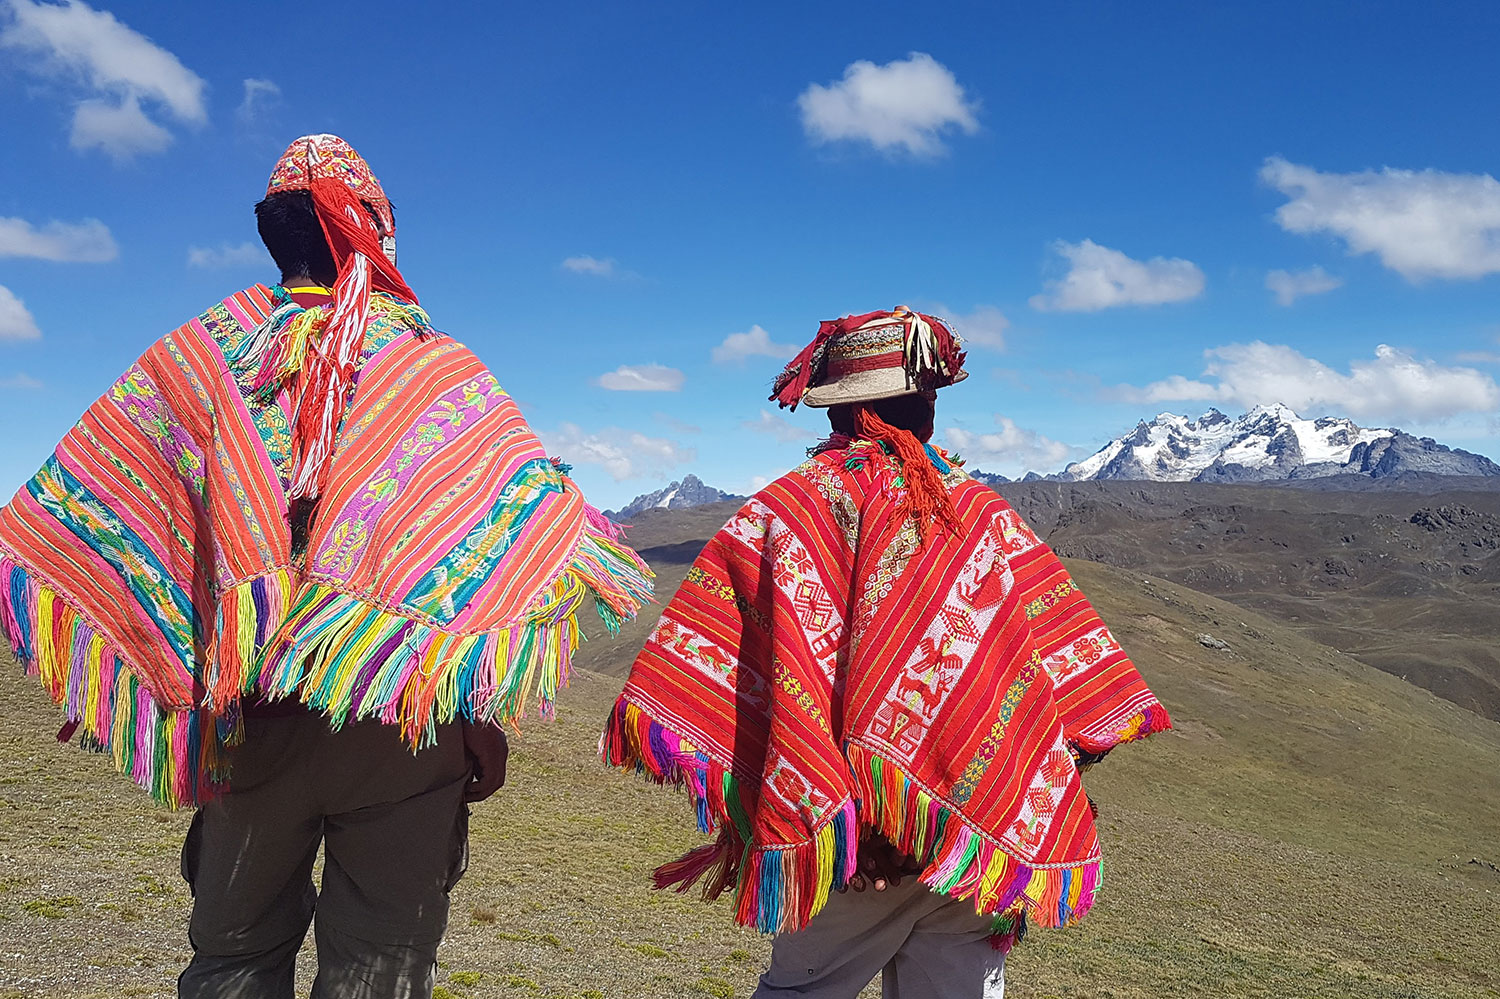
<point>926,498</point>
<point>349,231</point>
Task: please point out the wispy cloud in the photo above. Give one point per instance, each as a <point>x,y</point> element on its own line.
<point>624,454</point>
<point>113,68</point>
<point>675,425</point>
<point>86,242</point>
<point>1392,384</point>
<point>243,255</point>
<point>1010,450</point>
<point>778,427</point>
<point>736,348</point>
<point>1288,286</point>
<point>260,95</point>
<point>985,326</point>
<point>908,104</point>
<point>607,267</point>
<point>1479,356</point>
<point>642,378</point>
<point>1101,278</point>
<point>1420,223</point>
<point>16,321</point>
<point>19,381</point>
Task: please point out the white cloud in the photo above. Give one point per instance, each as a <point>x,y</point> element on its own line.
<point>86,242</point>
<point>984,327</point>
<point>755,342</point>
<point>1421,223</point>
<point>19,381</point>
<point>259,95</point>
<point>1011,450</point>
<point>121,131</point>
<point>624,454</point>
<point>606,268</point>
<point>1391,385</point>
<point>16,322</point>
<point>1288,286</point>
<point>244,255</point>
<point>906,104</point>
<point>759,482</point>
<point>642,378</point>
<point>778,427</point>
<point>1100,278</point>
<point>115,66</point>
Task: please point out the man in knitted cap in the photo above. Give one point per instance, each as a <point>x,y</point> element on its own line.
<point>880,690</point>
<point>296,567</point>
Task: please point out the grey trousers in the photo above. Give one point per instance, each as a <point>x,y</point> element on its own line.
<point>922,944</point>
<point>394,829</point>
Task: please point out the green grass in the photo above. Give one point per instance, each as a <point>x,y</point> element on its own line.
<point>51,908</point>
<point>1306,831</point>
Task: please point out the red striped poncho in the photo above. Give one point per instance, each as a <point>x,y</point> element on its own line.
<point>821,674</point>
<point>148,573</point>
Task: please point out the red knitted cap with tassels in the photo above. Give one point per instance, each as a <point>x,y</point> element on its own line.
<point>338,179</point>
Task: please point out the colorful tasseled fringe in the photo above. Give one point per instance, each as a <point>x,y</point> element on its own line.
<point>349,658</point>
<point>776,889</point>
<point>247,615</point>
<point>959,861</point>
<point>165,752</point>
<point>781,889</point>
<point>332,651</point>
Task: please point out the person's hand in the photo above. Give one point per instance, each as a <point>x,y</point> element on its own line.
<point>487,750</point>
<point>880,865</point>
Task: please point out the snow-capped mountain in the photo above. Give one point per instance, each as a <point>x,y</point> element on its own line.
<point>689,492</point>
<point>1268,443</point>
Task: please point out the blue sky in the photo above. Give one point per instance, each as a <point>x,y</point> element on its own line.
<point>599,196</point>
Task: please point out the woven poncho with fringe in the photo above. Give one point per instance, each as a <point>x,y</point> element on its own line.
<point>824,673</point>
<point>147,572</point>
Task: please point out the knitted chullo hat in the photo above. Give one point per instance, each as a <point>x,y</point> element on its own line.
<point>321,354</point>
<point>879,355</point>
<point>874,356</point>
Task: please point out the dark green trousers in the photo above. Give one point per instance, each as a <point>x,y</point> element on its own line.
<point>394,831</point>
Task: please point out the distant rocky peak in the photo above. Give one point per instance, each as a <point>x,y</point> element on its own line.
<point>689,491</point>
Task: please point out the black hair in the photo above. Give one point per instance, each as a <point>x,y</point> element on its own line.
<point>911,411</point>
<point>290,229</point>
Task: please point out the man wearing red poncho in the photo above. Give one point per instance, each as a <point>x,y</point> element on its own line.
<point>876,668</point>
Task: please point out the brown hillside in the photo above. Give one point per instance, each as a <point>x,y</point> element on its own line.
<point>1408,582</point>
<point>1313,827</point>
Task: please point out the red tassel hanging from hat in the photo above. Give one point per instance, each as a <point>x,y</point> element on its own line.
<point>325,376</point>
<point>926,500</point>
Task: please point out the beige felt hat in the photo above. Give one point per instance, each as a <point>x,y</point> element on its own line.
<point>877,356</point>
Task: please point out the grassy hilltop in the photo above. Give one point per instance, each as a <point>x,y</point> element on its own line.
<point>1314,827</point>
